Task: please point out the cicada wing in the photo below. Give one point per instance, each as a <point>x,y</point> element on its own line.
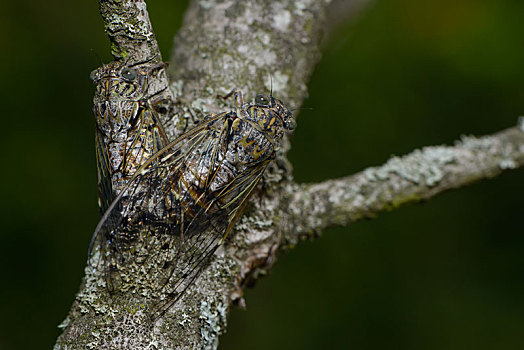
<point>169,219</point>
<point>146,220</point>
<point>193,255</point>
<point>149,138</point>
<point>206,231</point>
<point>105,192</point>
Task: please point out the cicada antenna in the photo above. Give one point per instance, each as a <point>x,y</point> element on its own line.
<point>300,109</point>
<point>270,85</point>
<point>147,60</point>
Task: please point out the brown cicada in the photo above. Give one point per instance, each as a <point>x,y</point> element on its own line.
<point>128,129</point>
<point>178,208</point>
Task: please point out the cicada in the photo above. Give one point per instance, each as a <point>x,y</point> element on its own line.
<point>128,129</point>
<point>178,208</point>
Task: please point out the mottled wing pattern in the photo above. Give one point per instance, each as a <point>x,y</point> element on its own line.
<point>105,188</point>
<point>171,216</point>
<point>174,214</point>
<point>128,129</point>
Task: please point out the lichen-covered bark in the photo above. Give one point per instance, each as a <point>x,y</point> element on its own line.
<point>415,177</point>
<point>257,46</point>
<point>128,27</point>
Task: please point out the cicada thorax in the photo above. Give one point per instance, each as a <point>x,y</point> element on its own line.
<point>238,143</point>
<point>127,123</point>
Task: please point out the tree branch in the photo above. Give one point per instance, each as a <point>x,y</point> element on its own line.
<point>415,177</point>
<point>257,46</point>
<point>128,27</point>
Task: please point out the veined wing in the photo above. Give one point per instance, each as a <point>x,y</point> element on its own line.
<point>128,129</point>
<point>175,212</point>
<point>172,215</point>
<point>105,188</point>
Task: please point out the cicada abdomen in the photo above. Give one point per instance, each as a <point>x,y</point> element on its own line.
<point>128,129</point>
<point>197,187</point>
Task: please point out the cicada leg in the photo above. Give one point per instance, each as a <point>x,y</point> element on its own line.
<point>161,102</point>
<point>160,96</point>
<point>239,99</point>
<point>189,117</point>
<point>158,66</point>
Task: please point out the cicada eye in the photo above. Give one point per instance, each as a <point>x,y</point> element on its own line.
<point>128,74</point>
<point>92,75</point>
<point>261,100</point>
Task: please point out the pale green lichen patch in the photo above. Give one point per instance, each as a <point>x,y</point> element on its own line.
<point>206,4</point>
<point>213,318</point>
<point>420,167</point>
<point>186,320</point>
<point>282,19</point>
<point>261,56</point>
<point>507,161</point>
<point>493,146</point>
<point>200,105</point>
<point>507,164</point>
<point>300,7</point>
<point>92,296</point>
<point>64,323</point>
<point>177,87</point>
<point>474,143</point>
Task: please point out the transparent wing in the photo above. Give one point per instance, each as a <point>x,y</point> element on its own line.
<point>149,138</point>
<point>164,226</point>
<point>204,239</point>
<point>146,138</point>
<point>105,192</point>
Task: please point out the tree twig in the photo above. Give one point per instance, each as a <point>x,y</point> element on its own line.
<point>128,27</point>
<point>415,177</point>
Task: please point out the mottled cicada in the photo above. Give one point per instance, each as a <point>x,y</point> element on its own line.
<point>178,208</point>
<point>128,129</point>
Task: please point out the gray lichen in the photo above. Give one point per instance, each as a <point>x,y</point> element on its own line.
<point>214,320</point>
<point>421,166</point>
<point>417,176</point>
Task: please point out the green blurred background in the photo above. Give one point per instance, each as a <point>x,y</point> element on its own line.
<point>447,274</point>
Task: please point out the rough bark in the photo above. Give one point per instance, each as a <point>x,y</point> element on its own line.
<point>415,177</point>
<point>258,46</point>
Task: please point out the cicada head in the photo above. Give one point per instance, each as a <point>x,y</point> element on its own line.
<point>119,90</point>
<point>273,116</point>
<point>117,81</point>
<point>122,94</point>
